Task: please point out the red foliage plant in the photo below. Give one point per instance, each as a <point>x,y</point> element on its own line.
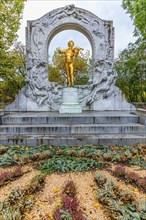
<point>69,203</point>
<point>17,172</point>
<point>57,214</point>
<point>77,215</point>
<point>142,182</point>
<point>5,176</point>
<point>70,189</point>
<point>132,177</point>
<point>119,171</point>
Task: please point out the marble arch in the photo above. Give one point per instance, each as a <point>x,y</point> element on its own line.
<point>70,26</point>
<point>100,33</point>
<point>41,95</point>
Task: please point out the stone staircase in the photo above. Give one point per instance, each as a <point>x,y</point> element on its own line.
<point>108,127</point>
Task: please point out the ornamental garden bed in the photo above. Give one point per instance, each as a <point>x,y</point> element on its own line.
<point>73,183</point>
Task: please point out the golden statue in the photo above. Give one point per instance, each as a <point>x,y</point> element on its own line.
<point>70,53</point>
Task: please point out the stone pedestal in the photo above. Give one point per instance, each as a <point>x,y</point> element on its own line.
<point>70,101</point>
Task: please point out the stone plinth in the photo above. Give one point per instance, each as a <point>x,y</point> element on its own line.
<point>70,100</point>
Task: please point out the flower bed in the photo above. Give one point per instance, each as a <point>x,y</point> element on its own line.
<point>69,208</point>
<point>8,176</point>
<point>105,200</point>
<point>130,177</point>
<point>20,200</point>
<point>120,204</point>
<point>16,155</point>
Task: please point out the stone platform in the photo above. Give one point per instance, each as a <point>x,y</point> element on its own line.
<point>89,127</point>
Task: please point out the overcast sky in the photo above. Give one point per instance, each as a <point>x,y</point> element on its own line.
<point>107,10</point>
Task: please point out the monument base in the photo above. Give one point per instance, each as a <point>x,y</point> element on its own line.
<point>70,101</point>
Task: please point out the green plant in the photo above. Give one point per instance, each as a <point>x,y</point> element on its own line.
<point>98,154</point>
<point>7,160</point>
<point>141,206</point>
<point>126,196</point>
<point>65,215</point>
<point>20,200</point>
<point>10,213</point>
<point>65,164</point>
<point>120,204</point>
<point>138,160</point>
<point>100,179</point>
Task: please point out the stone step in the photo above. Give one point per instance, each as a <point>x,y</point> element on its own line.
<point>90,127</point>
<point>55,118</point>
<point>73,140</point>
<point>74,129</point>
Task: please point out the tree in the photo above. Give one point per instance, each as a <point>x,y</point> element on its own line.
<point>11,78</point>
<point>137,11</point>
<point>11,12</point>
<point>131,66</point>
<point>82,68</point>
<point>131,71</point>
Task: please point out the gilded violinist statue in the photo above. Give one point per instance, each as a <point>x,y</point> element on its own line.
<point>70,53</point>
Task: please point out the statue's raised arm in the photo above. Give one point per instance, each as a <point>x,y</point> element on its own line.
<point>61,51</point>
<point>77,50</point>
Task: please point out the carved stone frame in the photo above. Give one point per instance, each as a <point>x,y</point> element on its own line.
<point>100,33</point>
<point>40,94</point>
